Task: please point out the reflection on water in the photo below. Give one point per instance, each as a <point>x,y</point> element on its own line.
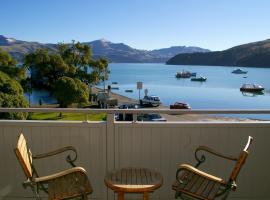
<point>42,96</point>
<point>252,94</point>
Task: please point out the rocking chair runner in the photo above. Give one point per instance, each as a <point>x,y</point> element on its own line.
<point>197,184</point>
<point>69,183</point>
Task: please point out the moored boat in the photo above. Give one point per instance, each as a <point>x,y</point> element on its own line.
<point>185,74</point>
<point>200,78</point>
<point>239,71</point>
<point>251,88</point>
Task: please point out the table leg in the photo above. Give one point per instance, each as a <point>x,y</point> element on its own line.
<point>120,195</point>
<point>145,196</point>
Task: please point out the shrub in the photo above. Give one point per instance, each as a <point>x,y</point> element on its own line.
<point>68,90</point>
<point>11,96</point>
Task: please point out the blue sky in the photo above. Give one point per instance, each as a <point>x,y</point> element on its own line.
<point>143,24</point>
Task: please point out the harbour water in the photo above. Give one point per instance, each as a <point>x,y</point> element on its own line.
<point>220,91</point>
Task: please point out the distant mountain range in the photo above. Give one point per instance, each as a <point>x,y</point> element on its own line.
<point>256,54</point>
<point>115,52</point>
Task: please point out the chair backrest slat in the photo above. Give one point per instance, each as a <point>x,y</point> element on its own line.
<point>241,160</point>
<point>24,156</point>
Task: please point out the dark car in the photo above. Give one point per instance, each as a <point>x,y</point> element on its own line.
<point>126,116</point>
<point>179,105</point>
<point>151,117</point>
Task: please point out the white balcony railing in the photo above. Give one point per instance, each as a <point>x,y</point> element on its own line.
<point>107,145</point>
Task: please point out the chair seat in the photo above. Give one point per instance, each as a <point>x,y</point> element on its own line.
<point>69,186</point>
<point>196,185</point>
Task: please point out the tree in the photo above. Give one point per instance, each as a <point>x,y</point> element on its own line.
<point>75,54</point>
<point>79,57</point>
<point>101,69</point>
<point>68,90</point>
<point>45,68</point>
<point>72,60</point>
<point>11,95</point>
<point>8,66</point>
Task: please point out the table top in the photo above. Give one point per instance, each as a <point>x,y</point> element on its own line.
<point>133,180</point>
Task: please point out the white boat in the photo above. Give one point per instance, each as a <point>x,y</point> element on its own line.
<point>239,71</point>
<point>185,74</point>
<point>251,88</point>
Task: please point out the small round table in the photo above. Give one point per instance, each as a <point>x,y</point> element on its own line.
<point>133,180</point>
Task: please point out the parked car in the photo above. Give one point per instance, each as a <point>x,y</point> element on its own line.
<point>126,116</point>
<point>151,117</point>
<point>180,105</point>
<point>150,100</point>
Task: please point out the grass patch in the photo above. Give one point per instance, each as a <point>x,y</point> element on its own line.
<point>66,116</point>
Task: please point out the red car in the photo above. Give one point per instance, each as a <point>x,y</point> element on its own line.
<point>179,105</point>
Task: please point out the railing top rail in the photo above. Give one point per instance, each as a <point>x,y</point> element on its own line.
<point>138,111</point>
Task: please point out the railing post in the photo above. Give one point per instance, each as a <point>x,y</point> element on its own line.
<point>85,118</point>
<point>110,144</point>
<point>135,116</point>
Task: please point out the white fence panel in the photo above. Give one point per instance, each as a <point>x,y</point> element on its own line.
<point>162,146</point>
<point>107,145</point>
<point>88,138</point>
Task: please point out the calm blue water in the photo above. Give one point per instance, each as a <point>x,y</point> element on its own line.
<point>43,95</point>
<point>220,91</point>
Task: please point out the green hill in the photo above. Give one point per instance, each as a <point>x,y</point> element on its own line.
<point>256,54</point>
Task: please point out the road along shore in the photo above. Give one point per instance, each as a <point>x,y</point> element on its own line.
<point>183,117</point>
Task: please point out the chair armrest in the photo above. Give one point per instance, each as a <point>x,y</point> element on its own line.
<point>202,158</point>
<point>186,167</point>
<point>58,151</point>
<point>59,174</point>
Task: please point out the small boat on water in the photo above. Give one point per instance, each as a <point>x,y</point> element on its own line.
<point>200,78</point>
<point>115,88</point>
<point>129,91</point>
<point>251,88</point>
<point>239,71</point>
<point>185,74</point>
<point>115,83</point>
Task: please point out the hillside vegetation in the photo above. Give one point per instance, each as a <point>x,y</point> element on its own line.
<point>256,54</point>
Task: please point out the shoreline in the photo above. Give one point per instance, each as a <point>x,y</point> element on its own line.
<point>183,117</point>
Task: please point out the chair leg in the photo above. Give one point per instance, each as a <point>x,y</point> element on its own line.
<point>145,196</point>
<point>36,192</point>
<point>121,196</point>
<point>226,195</point>
<point>177,194</point>
<point>84,196</point>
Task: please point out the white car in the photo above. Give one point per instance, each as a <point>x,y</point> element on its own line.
<point>150,100</point>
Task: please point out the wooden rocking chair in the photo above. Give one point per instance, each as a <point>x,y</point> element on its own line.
<point>194,183</point>
<point>66,184</point>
